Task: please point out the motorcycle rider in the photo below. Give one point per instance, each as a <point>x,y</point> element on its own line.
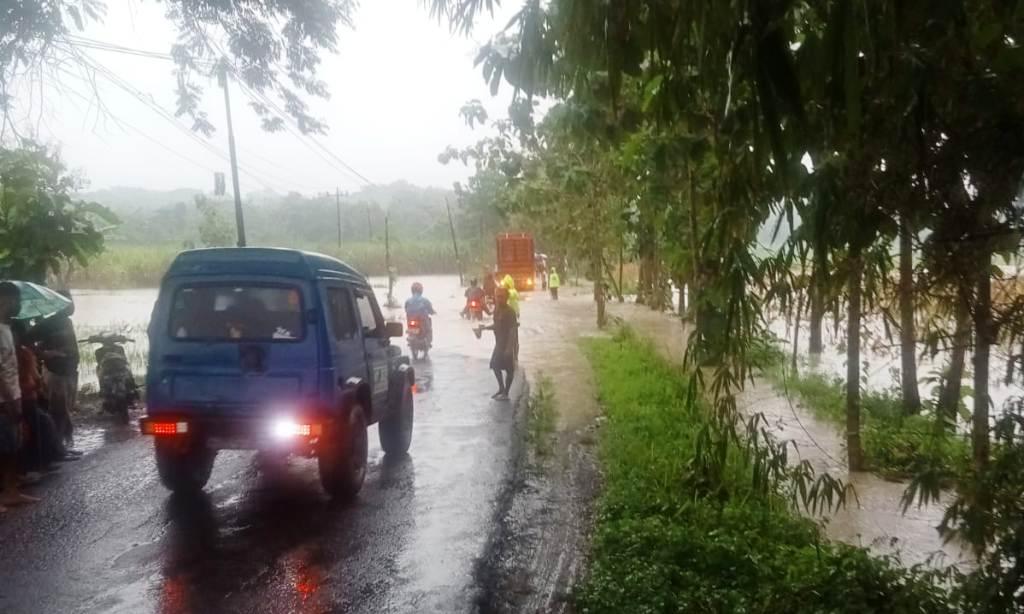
<point>418,307</point>
<point>474,293</point>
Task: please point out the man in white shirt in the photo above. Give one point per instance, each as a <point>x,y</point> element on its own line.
<point>10,401</point>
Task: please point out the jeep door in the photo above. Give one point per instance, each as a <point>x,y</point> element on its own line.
<point>375,344</point>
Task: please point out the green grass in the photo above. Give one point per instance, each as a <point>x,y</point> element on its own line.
<point>895,445</point>
<point>541,417</point>
<point>677,533</point>
<point>142,266</point>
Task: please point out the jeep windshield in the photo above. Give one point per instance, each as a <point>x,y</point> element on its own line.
<point>237,312</point>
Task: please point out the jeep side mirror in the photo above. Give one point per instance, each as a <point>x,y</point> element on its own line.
<point>393,329</point>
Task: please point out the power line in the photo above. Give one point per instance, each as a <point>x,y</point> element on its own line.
<point>142,97</point>
<point>258,97</point>
<point>285,117</point>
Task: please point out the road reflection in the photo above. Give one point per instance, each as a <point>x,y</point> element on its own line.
<point>280,544</point>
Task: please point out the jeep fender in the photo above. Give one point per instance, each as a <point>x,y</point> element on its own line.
<point>355,390</point>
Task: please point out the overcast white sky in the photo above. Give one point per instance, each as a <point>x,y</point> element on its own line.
<point>396,87</point>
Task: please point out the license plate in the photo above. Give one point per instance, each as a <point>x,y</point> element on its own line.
<point>236,442</point>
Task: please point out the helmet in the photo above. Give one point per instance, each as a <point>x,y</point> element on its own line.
<point>417,288</point>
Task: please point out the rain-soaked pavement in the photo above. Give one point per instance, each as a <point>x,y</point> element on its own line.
<point>108,538</point>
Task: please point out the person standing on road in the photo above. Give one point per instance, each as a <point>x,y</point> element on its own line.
<point>554,282</point>
<point>506,342</point>
<point>10,401</point>
<point>59,350</point>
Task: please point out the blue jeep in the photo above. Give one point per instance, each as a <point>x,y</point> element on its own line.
<point>274,350</point>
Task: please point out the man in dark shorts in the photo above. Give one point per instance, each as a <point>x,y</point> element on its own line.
<point>506,343</point>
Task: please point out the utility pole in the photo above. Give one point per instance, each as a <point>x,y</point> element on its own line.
<point>387,261</point>
<point>455,244</point>
<point>337,203</point>
<point>369,224</point>
<point>239,219</point>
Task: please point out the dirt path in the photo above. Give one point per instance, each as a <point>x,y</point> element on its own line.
<point>546,528</point>
<point>877,522</point>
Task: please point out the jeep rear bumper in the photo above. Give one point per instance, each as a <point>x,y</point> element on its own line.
<point>300,434</point>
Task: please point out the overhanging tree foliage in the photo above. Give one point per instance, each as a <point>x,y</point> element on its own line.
<point>274,47</point>
<point>43,228</point>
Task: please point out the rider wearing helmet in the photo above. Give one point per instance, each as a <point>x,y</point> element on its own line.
<point>418,307</point>
<point>474,294</point>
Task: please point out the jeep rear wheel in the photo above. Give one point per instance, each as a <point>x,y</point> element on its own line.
<point>343,457</point>
<point>183,467</point>
<point>395,429</point>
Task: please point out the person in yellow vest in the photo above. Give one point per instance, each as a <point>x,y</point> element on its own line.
<point>513,295</point>
<point>553,283</point>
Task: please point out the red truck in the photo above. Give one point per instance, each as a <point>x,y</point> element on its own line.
<point>516,258</point>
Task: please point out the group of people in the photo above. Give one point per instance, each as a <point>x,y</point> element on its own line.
<point>38,388</point>
<point>505,325</point>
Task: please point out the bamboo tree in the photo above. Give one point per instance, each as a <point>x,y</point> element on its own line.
<point>908,338</point>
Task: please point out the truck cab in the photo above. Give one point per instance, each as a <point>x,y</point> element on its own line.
<point>275,350</point>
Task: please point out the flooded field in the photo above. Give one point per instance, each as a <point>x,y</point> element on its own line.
<point>128,312</point>
<point>880,362</point>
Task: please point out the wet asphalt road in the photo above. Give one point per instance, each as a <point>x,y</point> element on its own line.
<point>109,538</point>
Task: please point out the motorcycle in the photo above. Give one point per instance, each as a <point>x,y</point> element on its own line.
<point>418,337</point>
<point>474,310</point>
<point>118,389</point>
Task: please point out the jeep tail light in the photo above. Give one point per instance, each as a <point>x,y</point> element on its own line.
<point>165,428</point>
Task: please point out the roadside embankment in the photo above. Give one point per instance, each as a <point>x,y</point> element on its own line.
<point>692,518</point>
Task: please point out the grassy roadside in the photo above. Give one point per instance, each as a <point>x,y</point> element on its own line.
<point>541,418</point>
<point>677,533</point>
<point>895,445</point>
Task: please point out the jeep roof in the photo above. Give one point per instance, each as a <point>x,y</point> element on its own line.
<point>263,261</point>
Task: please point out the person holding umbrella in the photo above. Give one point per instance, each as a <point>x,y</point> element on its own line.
<point>58,348</point>
<point>10,401</point>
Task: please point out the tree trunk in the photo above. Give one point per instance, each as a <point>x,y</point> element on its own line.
<point>855,453</point>
<point>598,276</point>
<point>816,290</point>
<point>983,334</point>
<point>908,336</point>
<point>622,299</point>
<point>695,284</point>
<point>796,327</point>
<point>949,397</point>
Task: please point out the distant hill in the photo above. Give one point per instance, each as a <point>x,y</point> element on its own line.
<point>129,199</point>
<point>171,216</point>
